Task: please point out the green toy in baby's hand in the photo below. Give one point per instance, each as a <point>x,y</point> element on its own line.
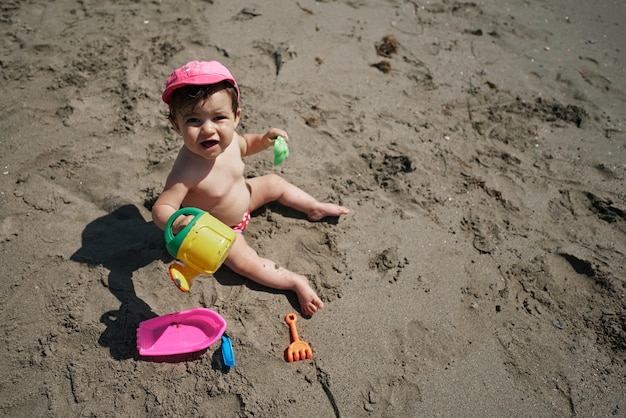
<point>281,150</point>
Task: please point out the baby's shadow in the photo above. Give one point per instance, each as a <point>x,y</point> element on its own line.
<point>122,242</point>
<point>288,212</point>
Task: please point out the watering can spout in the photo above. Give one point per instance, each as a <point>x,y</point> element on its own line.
<point>181,275</point>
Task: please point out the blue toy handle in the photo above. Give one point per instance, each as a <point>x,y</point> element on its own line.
<point>227,352</point>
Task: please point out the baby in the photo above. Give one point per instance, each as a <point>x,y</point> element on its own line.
<point>208,173</point>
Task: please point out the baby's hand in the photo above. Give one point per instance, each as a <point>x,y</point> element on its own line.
<point>180,223</point>
<point>271,135</point>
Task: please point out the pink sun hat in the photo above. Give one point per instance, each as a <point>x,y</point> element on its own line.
<point>197,73</point>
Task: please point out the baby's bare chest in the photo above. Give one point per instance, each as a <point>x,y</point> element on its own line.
<point>223,179</point>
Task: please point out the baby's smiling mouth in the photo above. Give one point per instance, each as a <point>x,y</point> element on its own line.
<point>208,143</point>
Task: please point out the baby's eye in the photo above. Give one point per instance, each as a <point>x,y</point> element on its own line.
<point>192,121</point>
<point>220,117</point>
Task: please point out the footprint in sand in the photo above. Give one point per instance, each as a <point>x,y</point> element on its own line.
<point>412,348</point>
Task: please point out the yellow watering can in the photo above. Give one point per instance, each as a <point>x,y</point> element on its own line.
<point>202,246</point>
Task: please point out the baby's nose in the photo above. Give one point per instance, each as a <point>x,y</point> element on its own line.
<point>208,127</point>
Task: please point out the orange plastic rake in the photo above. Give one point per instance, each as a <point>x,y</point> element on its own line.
<point>297,350</point>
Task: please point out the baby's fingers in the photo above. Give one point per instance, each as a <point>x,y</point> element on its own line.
<point>275,133</point>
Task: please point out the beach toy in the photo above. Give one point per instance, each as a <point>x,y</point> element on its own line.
<point>281,150</point>
<point>227,352</point>
<point>298,349</point>
<point>179,332</point>
<point>202,246</point>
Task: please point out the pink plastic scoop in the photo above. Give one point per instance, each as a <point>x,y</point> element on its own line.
<point>179,332</point>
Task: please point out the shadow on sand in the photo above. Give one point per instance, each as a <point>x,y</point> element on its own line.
<point>122,242</point>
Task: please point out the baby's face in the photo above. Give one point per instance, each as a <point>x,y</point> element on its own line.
<point>208,129</point>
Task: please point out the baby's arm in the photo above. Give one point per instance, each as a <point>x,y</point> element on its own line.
<point>253,143</point>
<point>169,202</point>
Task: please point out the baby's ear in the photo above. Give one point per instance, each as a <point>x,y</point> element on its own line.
<point>175,125</point>
<point>237,116</point>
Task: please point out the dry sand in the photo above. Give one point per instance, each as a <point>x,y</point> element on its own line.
<point>479,145</point>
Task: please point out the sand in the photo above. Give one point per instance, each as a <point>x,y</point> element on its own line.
<point>479,145</point>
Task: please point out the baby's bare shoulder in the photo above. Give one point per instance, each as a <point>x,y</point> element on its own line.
<point>189,170</point>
